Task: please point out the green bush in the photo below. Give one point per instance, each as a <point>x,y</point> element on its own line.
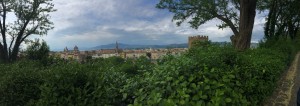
<point>209,74</point>
<point>77,84</point>
<point>20,83</point>
<point>214,75</point>
<point>283,45</point>
<point>181,82</point>
<point>261,69</point>
<point>38,51</point>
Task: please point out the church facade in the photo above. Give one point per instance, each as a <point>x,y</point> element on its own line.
<point>74,54</point>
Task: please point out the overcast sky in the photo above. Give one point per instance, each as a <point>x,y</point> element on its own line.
<point>89,23</point>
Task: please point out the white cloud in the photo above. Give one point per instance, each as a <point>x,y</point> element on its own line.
<point>93,22</point>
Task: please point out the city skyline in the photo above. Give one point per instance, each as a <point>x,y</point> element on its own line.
<point>98,22</point>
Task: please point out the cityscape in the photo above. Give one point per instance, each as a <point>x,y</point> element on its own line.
<point>151,53</point>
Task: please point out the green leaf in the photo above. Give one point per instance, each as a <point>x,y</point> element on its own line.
<point>231,76</point>
<point>194,85</point>
<point>191,79</point>
<point>228,100</point>
<point>204,96</point>
<point>207,87</point>
<point>182,102</point>
<point>181,78</point>
<point>186,95</point>
<point>124,96</point>
<point>238,83</point>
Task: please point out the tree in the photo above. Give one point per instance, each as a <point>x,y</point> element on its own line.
<point>37,50</point>
<point>148,54</point>
<point>32,18</point>
<point>238,15</point>
<point>283,19</point>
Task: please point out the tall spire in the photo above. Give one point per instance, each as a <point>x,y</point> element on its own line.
<point>117,47</point>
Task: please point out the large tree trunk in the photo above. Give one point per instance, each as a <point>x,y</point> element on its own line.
<point>7,57</point>
<point>3,54</point>
<point>14,54</point>
<point>247,15</point>
<point>2,59</point>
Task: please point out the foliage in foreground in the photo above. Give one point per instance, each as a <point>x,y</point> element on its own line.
<point>207,75</point>
<point>21,20</point>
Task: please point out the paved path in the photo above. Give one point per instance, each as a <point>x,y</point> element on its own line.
<point>286,92</point>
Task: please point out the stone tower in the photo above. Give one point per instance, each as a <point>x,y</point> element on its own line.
<point>196,38</point>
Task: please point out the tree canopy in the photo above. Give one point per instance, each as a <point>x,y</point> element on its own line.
<point>283,18</point>
<point>238,15</point>
<point>31,18</point>
<point>201,11</point>
<point>37,50</point>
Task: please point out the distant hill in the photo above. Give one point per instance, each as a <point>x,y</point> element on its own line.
<point>128,46</point>
<point>131,46</point>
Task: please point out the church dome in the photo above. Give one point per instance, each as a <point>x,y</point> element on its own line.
<point>75,48</point>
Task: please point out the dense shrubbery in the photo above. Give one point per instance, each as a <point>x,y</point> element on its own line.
<point>214,75</point>
<point>206,75</point>
<point>19,83</point>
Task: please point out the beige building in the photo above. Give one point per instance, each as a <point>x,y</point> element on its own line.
<point>106,53</point>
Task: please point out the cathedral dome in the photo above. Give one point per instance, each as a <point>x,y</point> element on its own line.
<point>75,48</point>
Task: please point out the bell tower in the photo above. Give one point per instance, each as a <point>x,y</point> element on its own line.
<point>117,48</point>
<point>76,53</point>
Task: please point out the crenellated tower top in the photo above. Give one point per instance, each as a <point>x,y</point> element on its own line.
<point>191,39</point>
<point>199,37</point>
